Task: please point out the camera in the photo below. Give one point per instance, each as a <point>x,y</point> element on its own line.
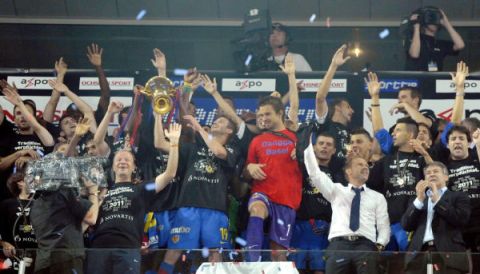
<point>426,16</point>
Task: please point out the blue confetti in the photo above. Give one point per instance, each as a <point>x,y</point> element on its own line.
<point>384,34</point>
<point>141,14</point>
<point>150,186</point>
<point>205,252</point>
<point>312,18</point>
<point>240,241</point>
<point>248,60</point>
<point>180,71</point>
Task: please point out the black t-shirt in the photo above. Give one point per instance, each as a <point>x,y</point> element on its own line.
<point>397,182</point>
<point>31,141</point>
<point>57,220</point>
<point>206,178</point>
<point>6,135</point>
<point>431,50</point>
<point>11,210</point>
<point>464,175</point>
<point>120,220</point>
<point>341,134</point>
<point>313,204</point>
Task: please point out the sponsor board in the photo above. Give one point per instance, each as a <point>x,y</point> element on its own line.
<point>441,107</point>
<point>311,85</point>
<point>393,85</point>
<point>30,82</point>
<point>447,86</point>
<point>115,83</point>
<point>258,84</point>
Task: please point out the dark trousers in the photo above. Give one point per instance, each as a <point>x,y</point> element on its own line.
<point>428,255</point>
<point>74,265</point>
<point>343,255</point>
<point>113,261</point>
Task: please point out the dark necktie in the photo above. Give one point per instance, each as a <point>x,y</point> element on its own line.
<point>355,210</point>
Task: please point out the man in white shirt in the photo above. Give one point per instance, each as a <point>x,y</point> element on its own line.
<point>352,229</point>
<point>437,217</point>
<point>279,40</point>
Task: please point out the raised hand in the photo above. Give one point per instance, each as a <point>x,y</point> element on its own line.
<point>191,75</point>
<point>115,107</point>
<point>372,84</point>
<point>418,146</point>
<point>398,107</point>
<point>193,122</point>
<point>58,86</point>
<point>11,93</point>
<point>83,126</point>
<point>461,74</point>
<point>289,66</point>
<point>209,85</point>
<point>444,21</point>
<point>173,133</point>
<point>337,59</point>
<point>60,67</point>
<point>94,54</point>
<point>160,61</point>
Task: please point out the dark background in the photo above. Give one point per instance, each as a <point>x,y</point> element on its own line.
<point>199,32</point>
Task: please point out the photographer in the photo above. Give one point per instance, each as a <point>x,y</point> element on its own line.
<point>424,51</point>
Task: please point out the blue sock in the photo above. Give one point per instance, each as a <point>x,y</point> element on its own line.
<point>166,268</point>
<point>254,238</point>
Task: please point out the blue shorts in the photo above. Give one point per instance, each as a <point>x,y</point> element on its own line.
<point>398,239</point>
<point>157,227</point>
<point>282,219</point>
<point>310,240</point>
<point>195,227</point>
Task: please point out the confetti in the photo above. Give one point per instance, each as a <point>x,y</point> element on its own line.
<point>150,186</point>
<point>180,71</point>
<point>205,252</point>
<point>328,22</point>
<point>248,60</point>
<point>312,18</point>
<point>240,241</point>
<point>280,222</point>
<point>141,14</point>
<point>384,34</point>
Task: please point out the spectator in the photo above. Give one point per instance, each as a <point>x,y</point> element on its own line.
<point>359,217</point>
<point>424,51</point>
<point>436,217</point>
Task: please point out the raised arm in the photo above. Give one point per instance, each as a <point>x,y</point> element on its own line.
<point>412,112</point>
<point>187,92</point>
<point>374,91</point>
<point>211,87</point>
<point>99,137</point>
<point>51,106</point>
<point>459,80</point>
<point>321,107</point>
<point>173,134</point>
<point>94,54</point>
<point>318,178</point>
<point>160,62</point>
<point>458,43</point>
<point>82,106</point>
<point>11,94</point>
<point>289,69</point>
<point>415,45</point>
<point>160,142</point>
<point>217,148</point>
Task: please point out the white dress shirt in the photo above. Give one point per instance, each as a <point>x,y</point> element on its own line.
<point>373,206</point>
<point>430,212</point>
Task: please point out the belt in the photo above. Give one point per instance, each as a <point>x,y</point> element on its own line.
<point>350,238</point>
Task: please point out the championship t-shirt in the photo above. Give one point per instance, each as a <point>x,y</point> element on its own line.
<point>314,205</point>
<point>206,177</point>
<point>283,184</point>
<point>17,211</point>
<point>121,215</point>
<point>396,176</point>
<point>464,175</point>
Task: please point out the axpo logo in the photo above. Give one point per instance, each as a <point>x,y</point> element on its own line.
<point>393,85</point>
<point>247,84</point>
<point>30,82</point>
